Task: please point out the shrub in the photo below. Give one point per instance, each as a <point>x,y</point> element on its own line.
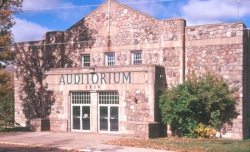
<point>207,100</point>
<point>203,131</point>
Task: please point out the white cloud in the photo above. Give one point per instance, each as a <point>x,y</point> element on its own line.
<point>63,10</point>
<point>40,4</point>
<point>155,9</point>
<point>213,11</point>
<point>27,31</point>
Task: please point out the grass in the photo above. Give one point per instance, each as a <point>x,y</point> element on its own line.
<point>4,130</point>
<point>187,145</point>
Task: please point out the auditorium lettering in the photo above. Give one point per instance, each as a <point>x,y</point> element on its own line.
<point>96,78</point>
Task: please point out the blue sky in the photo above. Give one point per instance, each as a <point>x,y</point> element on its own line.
<point>40,16</point>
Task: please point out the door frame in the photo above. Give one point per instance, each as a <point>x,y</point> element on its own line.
<point>108,105</point>
<point>81,114</point>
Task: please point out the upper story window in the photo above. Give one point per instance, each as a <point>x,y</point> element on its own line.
<point>110,59</point>
<point>136,57</point>
<point>85,60</point>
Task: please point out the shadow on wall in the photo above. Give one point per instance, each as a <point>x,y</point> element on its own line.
<point>33,59</point>
<point>246,85</point>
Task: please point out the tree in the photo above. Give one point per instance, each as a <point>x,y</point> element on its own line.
<point>7,9</point>
<point>207,101</point>
<point>6,95</point>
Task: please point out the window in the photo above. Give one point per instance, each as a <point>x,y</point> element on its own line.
<point>110,59</point>
<point>86,60</point>
<point>136,57</point>
<point>108,98</point>
<point>80,98</point>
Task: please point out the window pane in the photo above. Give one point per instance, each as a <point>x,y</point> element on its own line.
<point>80,98</point>
<point>108,98</point>
<point>136,58</point>
<point>110,59</point>
<point>85,60</point>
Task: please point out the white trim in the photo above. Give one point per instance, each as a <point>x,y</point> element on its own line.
<point>107,59</point>
<point>71,115</point>
<point>108,106</point>
<point>83,62</point>
<point>136,56</point>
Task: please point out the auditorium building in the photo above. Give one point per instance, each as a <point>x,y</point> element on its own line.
<point>104,73</point>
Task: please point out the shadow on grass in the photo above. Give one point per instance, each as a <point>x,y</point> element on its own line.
<point>15,129</point>
<point>229,142</point>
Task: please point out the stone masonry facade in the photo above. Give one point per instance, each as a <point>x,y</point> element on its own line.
<point>170,44</point>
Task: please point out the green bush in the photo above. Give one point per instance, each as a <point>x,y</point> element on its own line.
<point>207,100</point>
<point>7,106</point>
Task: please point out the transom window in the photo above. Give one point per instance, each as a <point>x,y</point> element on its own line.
<point>80,98</point>
<point>108,98</point>
<point>85,60</point>
<point>110,59</point>
<point>136,57</point>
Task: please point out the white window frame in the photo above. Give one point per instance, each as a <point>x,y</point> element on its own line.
<point>108,99</point>
<point>110,59</point>
<point>85,63</point>
<point>136,57</point>
<point>80,99</point>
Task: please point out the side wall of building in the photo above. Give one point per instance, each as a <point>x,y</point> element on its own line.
<point>219,48</point>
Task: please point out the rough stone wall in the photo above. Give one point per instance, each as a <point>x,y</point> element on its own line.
<point>19,115</point>
<point>25,73</point>
<point>172,53</point>
<point>144,130</point>
<point>214,31</point>
<point>32,60</point>
<point>40,124</point>
<point>225,59</point>
<point>161,42</point>
<point>58,125</point>
<point>54,43</point>
<point>139,130</point>
<point>136,108</point>
<point>130,27</point>
<point>170,31</point>
<point>58,109</point>
<point>172,64</point>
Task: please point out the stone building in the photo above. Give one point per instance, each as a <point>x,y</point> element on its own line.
<point>103,74</point>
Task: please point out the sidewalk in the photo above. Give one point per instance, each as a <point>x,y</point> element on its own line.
<point>86,142</point>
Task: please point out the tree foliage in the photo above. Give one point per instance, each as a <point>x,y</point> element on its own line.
<point>6,95</point>
<point>207,100</point>
<point>7,9</point>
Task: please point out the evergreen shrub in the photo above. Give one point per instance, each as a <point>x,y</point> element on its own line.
<point>207,100</point>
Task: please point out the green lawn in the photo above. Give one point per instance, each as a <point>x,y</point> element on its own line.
<point>187,145</point>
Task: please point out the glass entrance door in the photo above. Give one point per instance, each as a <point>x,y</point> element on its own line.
<point>80,111</point>
<point>108,111</point>
<point>76,117</point>
<point>85,118</point>
<point>109,118</point>
<point>81,117</point>
<point>104,118</point>
<point>114,119</point>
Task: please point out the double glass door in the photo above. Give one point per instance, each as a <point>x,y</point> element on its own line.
<point>80,117</point>
<point>108,118</point>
